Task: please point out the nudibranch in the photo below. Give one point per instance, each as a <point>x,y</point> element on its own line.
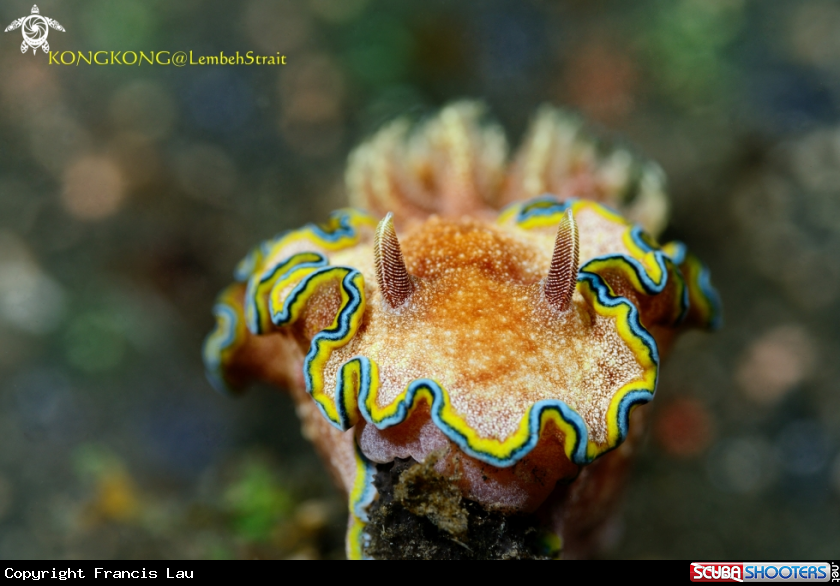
<point>469,351</point>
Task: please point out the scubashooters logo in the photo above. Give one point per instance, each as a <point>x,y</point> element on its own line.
<point>762,572</point>
<point>35,29</point>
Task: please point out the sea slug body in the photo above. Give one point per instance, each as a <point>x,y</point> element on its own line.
<point>488,328</point>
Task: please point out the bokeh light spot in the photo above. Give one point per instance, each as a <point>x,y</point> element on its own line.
<point>6,496</point>
<point>56,138</point>
<point>312,115</point>
<point>313,91</point>
<point>338,12</point>
<point>815,33</point>
<point>127,24</point>
<point>835,474</point>
<point>138,159</point>
<point>742,465</point>
<point>684,428</point>
<point>206,173</point>
<point>803,448</point>
<point>94,343</point>
<point>143,108</point>
<point>277,25</point>
<point>602,80</point>
<point>219,100</point>
<point>381,52</point>
<point>30,300</point>
<point>93,188</point>
<point>775,363</point>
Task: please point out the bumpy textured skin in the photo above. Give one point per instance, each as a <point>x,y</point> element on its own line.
<point>442,330</point>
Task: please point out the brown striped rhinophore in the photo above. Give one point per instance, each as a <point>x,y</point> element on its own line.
<point>562,275</point>
<point>391,275</point>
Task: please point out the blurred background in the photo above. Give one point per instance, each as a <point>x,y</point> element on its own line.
<point>127,194</point>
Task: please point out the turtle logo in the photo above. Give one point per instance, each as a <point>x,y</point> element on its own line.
<point>35,29</point>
